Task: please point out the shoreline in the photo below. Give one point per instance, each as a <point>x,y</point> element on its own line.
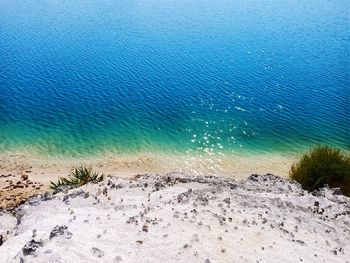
<point>23,175</point>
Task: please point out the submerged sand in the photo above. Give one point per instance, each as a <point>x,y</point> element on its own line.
<point>24,174</point>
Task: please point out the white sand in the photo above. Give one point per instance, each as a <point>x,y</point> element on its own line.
<point>178,218</point>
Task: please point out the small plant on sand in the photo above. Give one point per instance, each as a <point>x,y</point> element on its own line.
<point>323,165</point>
<point>78,177</point>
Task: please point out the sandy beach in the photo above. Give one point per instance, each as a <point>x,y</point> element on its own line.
<point>23,174</point>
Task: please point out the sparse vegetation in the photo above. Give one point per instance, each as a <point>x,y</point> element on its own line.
<point>78,177</point>
<point>323,165</point>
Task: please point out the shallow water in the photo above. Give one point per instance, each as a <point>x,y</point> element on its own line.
<point>86,77</point>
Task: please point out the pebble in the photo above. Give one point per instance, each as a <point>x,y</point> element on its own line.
<point>145,228</point>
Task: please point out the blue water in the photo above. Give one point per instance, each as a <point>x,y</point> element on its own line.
<point>87,77</point>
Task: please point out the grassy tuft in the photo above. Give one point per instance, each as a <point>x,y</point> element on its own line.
<point>78,177</point>
<point>323,165</point>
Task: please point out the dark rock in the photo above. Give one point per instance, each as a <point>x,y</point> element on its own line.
<point>253,177</point>
<point>97,252</point>
<point>300,242</point>
<point>318,193</point>
<point>232,186</point>
<point>63,188</point>
<point>24,177</point>
<point>76,193</point>
<point>46,196</point>
<point>321,211</point>
<point>181,180</point>
<point>132,220</point>
<point>60,230</point>
<point>158,186</point>
<point>337,191</point>
<point>145,228</point>
<point>31,247</point>
<point>227,200</point>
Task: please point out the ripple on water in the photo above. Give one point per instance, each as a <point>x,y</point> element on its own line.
<point>212,79</point>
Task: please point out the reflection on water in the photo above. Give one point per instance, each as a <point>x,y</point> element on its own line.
<point>198,78</point>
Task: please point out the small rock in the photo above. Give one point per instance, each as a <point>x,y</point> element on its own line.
<point>24,177</point>
<point>300,242</point>
<point>60,230</point>
<point>145,228</point>
<point>337,191</point>
<point>31,247</point>
<point>97,252</point>
<point>117,259</point>
<point>227,200</point>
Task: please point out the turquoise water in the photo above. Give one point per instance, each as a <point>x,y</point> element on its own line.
<point>87,77</point>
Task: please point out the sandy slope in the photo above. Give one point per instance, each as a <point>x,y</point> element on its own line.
<point>178,218</point>
<point>23,174</point>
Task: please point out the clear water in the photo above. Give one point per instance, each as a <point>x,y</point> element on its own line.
<point>87,77</point>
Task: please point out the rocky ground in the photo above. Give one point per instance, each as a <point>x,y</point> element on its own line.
<point>17,187</point>
<point>179,218</point>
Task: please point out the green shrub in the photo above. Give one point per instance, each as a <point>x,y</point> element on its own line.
<point>323,165</point>
<point>78,177</point>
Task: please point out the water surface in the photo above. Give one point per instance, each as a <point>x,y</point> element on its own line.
<point>87,77</point>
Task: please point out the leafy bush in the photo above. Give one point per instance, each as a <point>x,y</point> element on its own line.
<point>78,177</point>
<point>323,165</point>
